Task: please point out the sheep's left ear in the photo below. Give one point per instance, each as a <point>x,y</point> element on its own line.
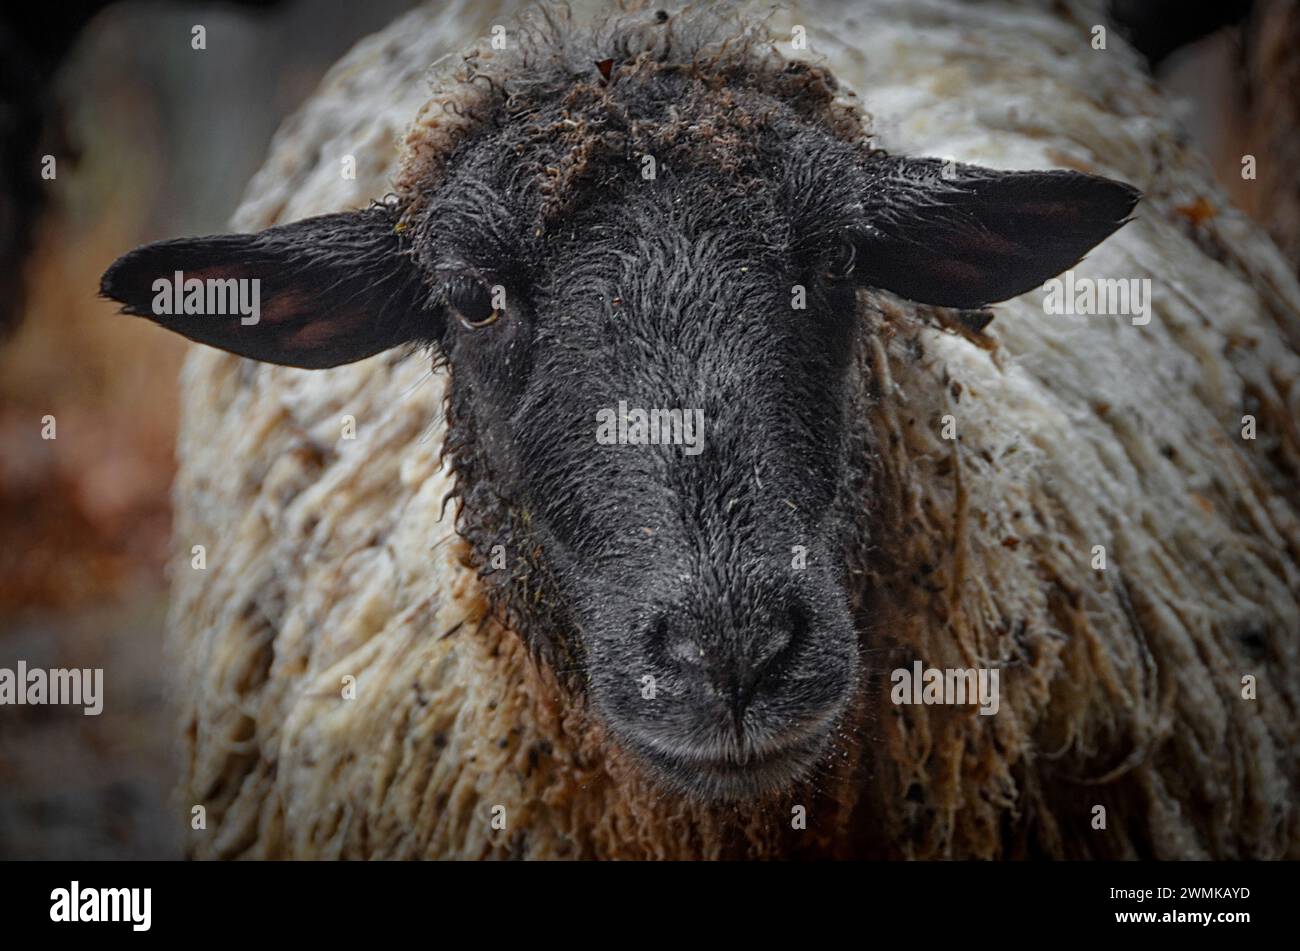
<point>965,236</point>
<point>315,293</point>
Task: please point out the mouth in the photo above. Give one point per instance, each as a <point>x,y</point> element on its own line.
<point>735,772</point>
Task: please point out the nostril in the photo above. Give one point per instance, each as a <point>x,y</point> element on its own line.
<point>686,651</point>
<point>672,648</point>
<point>789,641</point>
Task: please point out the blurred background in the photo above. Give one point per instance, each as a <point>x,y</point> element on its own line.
<point>150,139</point>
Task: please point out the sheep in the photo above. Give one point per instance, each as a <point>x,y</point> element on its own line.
<point>412,610</point>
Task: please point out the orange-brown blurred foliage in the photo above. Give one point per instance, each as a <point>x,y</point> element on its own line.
<point>83,515</point>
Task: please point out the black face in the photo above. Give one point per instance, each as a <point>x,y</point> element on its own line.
<point>701,576</point>
<point>692,571</point>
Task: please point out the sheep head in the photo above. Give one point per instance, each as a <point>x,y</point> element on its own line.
<point>641,258</point>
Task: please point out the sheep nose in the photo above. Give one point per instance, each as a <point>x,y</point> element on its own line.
<point>734,663</point>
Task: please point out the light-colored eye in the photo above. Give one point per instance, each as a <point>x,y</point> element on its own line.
<point>487,321</point>
<point>472,300</point>
<point>840,262</point>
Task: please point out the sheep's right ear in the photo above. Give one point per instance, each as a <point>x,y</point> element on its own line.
<point>315,293</point>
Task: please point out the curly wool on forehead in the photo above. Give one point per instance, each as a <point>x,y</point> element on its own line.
<point>699,84</point>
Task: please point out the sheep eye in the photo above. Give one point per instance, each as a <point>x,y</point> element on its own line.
<point>471,298</point>
<point>839,263</point>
